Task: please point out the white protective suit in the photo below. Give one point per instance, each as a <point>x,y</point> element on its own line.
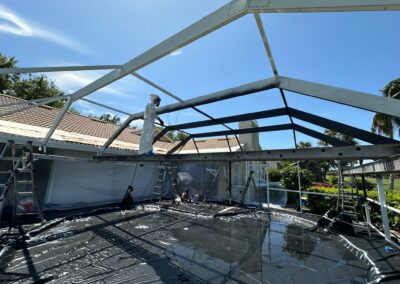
<point>146,139</point>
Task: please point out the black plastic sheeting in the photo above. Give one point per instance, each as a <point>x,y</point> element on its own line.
<point>151,246</point>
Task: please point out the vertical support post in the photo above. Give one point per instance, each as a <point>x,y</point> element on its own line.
<point>299,183</point>
<point>384,214</point>
<point>230,183</point>
<point>268,184</point>
<point>367,215</point>
<point>340,197</point>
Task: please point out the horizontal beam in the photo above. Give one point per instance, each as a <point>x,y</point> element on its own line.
<point>355,99</point>
<point>324,153</point>
<point>301,6</point>
<point>317,135</point>
<point>342,128</point>
<point>244,131</point>
<point>389,165</point>
<point>228,119</point>
<point>242,90</point>
<point>23,70</point>
<point>105,106</point>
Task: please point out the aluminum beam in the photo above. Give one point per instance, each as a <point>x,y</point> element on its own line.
<point>228,119</point>
<point>219,18</point>
<point>244,131</point>
<point>22,70</point>
<point>342,128</point>
<point>314,119</point>
<point>389,165</point>
<point>328,139</point>
<point>242,90</point>
<point>168,93</point>
<point>179,145</point>
<point>356,99</point>
<point>324,153</point>
<point>105,106</point>
<point>301,6</point>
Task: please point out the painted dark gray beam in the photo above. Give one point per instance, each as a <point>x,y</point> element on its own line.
<point>323,153</point>
<point>179,145</point>
<point>328,139</point>
<point>228,119</point>
<point>389,165</point>
<point>244,131</point>
<point>352,98</point>
<point>242,90</point>
<point>310,118</point>
<point>342,128</point>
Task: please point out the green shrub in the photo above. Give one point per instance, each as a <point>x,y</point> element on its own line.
<point>289,180</point>
<point>274,175</point>
<point>334,180</point>
<point>320,204</point>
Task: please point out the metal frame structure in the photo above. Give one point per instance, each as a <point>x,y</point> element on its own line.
<point>219,18</point>
<point>382,148</point>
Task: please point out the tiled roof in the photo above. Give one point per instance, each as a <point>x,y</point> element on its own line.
<point>43,116</point>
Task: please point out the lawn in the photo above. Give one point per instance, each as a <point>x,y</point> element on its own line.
<point>386,181</point>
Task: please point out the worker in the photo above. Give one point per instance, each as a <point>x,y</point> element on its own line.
<point>127,200</point>
<point>146,139</point>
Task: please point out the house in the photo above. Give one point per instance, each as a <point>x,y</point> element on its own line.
<point>83,133</point>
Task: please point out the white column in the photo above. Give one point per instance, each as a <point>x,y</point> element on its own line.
<point>382,201</point>
<point>299,183</point>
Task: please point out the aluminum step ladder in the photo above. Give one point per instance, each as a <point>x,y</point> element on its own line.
<point>26,205</point>
<point>168,175</point>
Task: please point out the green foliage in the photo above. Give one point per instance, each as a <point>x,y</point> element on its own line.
<point>274,175</point>
<point>320,204</point>
<point>180,136</point>
<point>6,80</point>
<point>36,88</point>
<point>107,117</point>
<point>289,180</point>
<point>176,135</point>
<point>27,87</point>
<point>384,124</point>
<point>334,180</point>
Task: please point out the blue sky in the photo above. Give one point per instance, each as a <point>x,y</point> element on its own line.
<point>358,51</point>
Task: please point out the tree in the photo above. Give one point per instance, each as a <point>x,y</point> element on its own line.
<point>35,88</point>
<point>180,136</point>
<point>384,124</point>
<point>27,87</point>
<point>108,117</point>
<point>7,81</point>
<point>176,135</point>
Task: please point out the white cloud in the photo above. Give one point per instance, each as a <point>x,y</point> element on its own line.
<point>11,23</point>
<point>176,52</point>
<point>70,82</point>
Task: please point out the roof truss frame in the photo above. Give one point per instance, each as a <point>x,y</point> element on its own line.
<point>223,16</point>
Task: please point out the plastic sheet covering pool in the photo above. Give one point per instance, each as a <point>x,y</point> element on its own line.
<point>147,246</point>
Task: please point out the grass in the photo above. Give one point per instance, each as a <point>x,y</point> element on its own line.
<point>386,181</point>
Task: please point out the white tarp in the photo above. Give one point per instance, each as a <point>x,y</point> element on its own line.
<point>73,184</point>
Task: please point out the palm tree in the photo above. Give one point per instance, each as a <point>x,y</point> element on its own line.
<point>384,124</point>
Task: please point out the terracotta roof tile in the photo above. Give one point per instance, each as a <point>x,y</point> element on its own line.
<point>43,116</point>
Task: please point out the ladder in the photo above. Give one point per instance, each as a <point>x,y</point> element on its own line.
<point>26,206</point>
<point>168,172</point>
<point>349,199</point>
